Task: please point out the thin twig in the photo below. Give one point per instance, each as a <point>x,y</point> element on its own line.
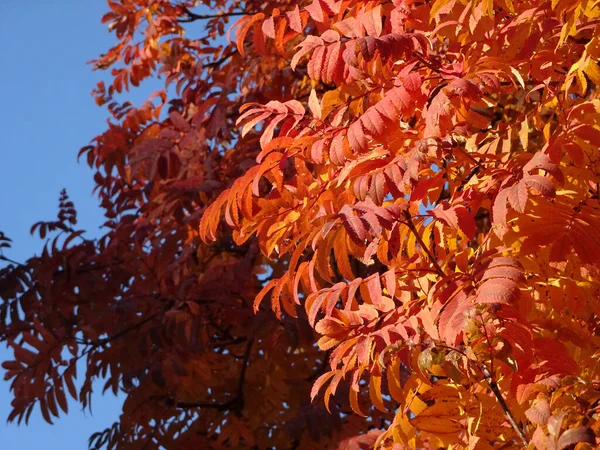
<point>12,261</point>
<point>422,59</point>
<point>432,258</point>
<point>102,342</point>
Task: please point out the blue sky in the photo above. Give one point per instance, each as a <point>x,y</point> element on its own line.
<point>47,115</point>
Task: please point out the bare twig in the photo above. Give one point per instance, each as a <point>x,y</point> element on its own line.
<point>12,261</point>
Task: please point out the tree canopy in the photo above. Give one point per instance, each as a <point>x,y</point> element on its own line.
<point>342,224</point>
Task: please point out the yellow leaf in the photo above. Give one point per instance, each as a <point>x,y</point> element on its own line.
<point>439,409</point>
<point>488,8</point>
<point>417,405</point>
<point>510,6</point>
<point>583,84</point>
<point>330,100</point>
<point>437,425</point>
<point>568,29</point>
<point>393,382</point>
<point>354,403</point>
<point>518,76</point>
<point>524,134</point>
<point>375,392</point>
<point>435,9</point>
<point>314,104</point>
<point>547,131</point>
<point>592,70</point>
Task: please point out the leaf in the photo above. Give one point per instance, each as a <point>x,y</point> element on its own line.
<point>517,197</point>
<point>354,404</point>
<point>242,27</point>
<point>264,291</point>
<point>554,356</point>
<point>373,289</point>
<point>498,290</point>
<point>451,320</point>
<point>371,20</point>
<point>542,184</point>
<point>456,217</point>
<point>319,384</point>
<point>499,210</point>
<point>437,425</point>
<point>375,392</point>
<point>316,11</point>
<point>353,225</point>
<point>295,20</point>
<point>314,105</point>
<point>576,435</point>
<point>539,413</point>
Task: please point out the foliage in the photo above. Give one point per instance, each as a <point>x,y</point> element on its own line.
<point>390,208</point>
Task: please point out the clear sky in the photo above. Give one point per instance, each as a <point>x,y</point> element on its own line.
<point>47,114</point>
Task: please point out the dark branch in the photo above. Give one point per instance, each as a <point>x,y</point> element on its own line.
<point>220,61</point>
<point>504,406</point>
<point>12,261</point>
<point>101,342</point>
<point>236,404</point>
<point>192,17</point>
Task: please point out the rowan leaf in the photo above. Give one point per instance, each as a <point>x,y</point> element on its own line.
<point>575,436</point>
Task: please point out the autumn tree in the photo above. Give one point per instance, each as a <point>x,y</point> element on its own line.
<point>353,224</point>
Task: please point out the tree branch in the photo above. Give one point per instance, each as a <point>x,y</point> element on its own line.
<point>101,342</point>
<point>236,404</point>
<point>221,60</point>
<point>192,17</point>
<point>494,387</point>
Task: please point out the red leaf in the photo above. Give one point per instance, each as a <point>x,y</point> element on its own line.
<point>499,210</point>
<point>543,185</point>
<point>316,11</point>
<point>451,320</point>
<point>371,20</point>
<point>539,413</point>
<point>359,142</point>
<point>243,26</point>
<point>498,290</point>
<point>457,217</point>
<point>517,196</point>
<point>336,150</point>
<point>319,384</point>
<point>295,20</point>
